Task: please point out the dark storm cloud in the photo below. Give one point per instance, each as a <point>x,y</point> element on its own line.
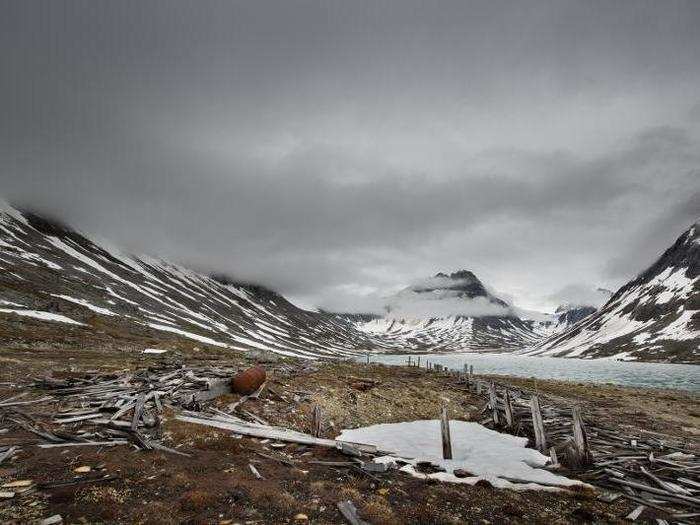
<point>338,150</point>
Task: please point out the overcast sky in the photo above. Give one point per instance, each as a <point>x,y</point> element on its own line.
<point>337,150</point>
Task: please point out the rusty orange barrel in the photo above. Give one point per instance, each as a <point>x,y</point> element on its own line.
<point>248,381</point>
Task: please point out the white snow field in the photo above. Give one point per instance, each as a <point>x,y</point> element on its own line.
<point>484,453</point>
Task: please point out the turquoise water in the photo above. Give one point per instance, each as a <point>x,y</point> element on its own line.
<point>625,373</point>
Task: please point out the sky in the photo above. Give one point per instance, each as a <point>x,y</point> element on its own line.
<point>337,151</point>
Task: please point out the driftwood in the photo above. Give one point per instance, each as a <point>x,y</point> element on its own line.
<point>349,512</point>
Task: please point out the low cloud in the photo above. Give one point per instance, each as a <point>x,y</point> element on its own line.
<point>580,295</point>
<point>337,153</point>
<point>421,307</point>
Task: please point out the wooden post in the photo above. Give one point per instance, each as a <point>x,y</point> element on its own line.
<point>580,438</point>
<point>316,421</point>
<point>478,388</point>
<point>493,401</point>
<point>418,362</point>
<point>445,431</point>
<point>540,438</point>
<point>509,409</point>
<point>409,360</point>
<point>367,357</point>
<point>553,456</point>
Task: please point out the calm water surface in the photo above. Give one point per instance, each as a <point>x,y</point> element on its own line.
<point>626,373</point>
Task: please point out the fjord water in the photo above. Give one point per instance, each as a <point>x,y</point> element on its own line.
<point>624,373</point>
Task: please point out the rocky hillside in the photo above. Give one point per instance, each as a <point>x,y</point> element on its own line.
<point>656,316</point>
<point>60,289</point>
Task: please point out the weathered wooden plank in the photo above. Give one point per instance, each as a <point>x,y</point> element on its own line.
<point>111,443</point>
<point>276,433</point>
<point>632,516</point>
<point>138,411</point>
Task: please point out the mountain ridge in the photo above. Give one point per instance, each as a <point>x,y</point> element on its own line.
<point>655,316</point>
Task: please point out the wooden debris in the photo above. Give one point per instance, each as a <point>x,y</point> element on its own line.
<point>632,516</point>
<point>255,471</point>
<point>349,512</point>
<point>56,519</point>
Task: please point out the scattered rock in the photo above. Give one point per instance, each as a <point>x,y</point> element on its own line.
<point>301,517</point>
<point>82,470</point>
<point>7,495</point>
<point>18,484</point>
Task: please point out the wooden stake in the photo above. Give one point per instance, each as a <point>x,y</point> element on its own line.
<point>445,431</point>
<point>493,401</point>
<point>540,438</point>
<point>509,409</point>
<point>580,438</point>
<point>316,421</point>
<point>553,456</point>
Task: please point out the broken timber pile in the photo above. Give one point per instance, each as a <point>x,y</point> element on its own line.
<point>652,470</point>
<point>109,409</point>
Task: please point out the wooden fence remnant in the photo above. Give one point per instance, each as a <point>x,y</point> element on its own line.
<point>317,421</point>
<point>493,402</point>
<point>583,454</point>
<point>540,437</point>
<point>508,409</point>
<point>445,432</point>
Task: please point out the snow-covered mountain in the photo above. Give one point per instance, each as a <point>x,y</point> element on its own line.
<point>60,289</point>
<point>656,316</point>
<point>450,313</point>
<point>547,325</point>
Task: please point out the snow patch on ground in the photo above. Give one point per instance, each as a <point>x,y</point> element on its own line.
<point>484,453</point>
<point>189,335</point>
<point>44,316</point>
<point>83,302</point>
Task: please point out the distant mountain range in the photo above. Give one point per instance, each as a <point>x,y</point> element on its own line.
<point>59,289</point>
<point>449,313</point>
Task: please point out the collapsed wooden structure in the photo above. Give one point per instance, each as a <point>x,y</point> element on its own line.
<point>650,469</point>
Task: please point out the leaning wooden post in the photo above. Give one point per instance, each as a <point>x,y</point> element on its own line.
<point>316,421</point>
<point>445,431</point>
<point>540,438</point>
<point>580,438</point>
<point>493,401</point>
<point>509,409</point>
